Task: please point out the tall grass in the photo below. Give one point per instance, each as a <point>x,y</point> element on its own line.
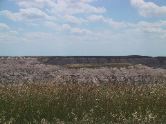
<point>76,103</point>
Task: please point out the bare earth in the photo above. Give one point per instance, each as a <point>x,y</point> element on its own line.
<point>30,69</point>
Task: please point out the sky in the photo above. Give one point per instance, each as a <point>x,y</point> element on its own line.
<point>82,27</point>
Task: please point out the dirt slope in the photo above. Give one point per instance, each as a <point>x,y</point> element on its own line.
<point>30,70</point>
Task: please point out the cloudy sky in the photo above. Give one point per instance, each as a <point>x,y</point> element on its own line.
<point>82,27</point>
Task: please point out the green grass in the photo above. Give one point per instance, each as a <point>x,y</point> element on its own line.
<point>83,104</point>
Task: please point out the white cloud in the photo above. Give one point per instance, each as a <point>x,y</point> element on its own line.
<point>55,13</point>
<point>106,20</point>
<point>80,31</point>
<point>137,38</point>
<point>75,30</point>
<point>68,23</point>
<point>148,8</point>
<point>74,19</point>
<point>26,14</point>
<point>67,27</point>
<point>96,18</point>
<point>4,26</point>
<point>33,3</point>
<point>62,6</point>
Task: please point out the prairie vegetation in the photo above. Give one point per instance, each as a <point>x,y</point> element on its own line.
<point>83,103</point>
<point>32,92</point>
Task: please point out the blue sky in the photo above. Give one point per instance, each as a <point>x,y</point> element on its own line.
<point>82,27</point>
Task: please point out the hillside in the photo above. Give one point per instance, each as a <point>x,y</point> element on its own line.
<point>145,60</point>
<point>129,69</point>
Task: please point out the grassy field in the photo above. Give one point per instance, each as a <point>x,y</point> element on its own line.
<point>83,104</point>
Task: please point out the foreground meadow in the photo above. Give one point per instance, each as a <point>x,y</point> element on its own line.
<point>84,104</point>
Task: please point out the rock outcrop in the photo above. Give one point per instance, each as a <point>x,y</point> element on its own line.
<point>43,70</point>
<point>156,62</point>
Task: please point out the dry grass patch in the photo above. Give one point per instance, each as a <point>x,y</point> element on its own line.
<point>75,103</point>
